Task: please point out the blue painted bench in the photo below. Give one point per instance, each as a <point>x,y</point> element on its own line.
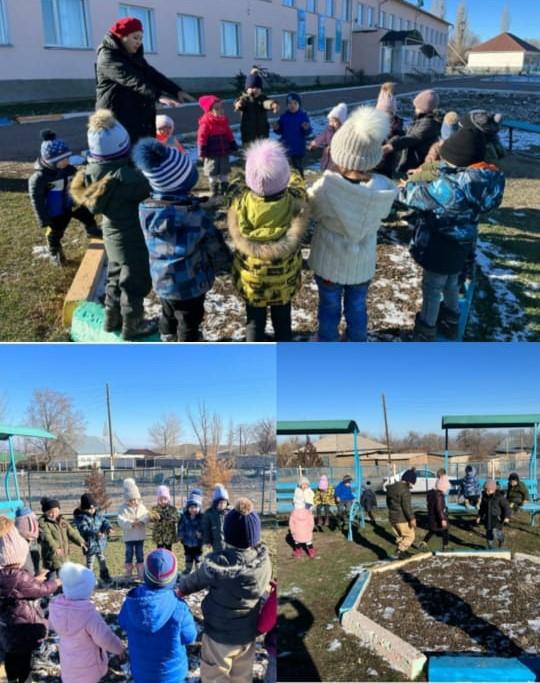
<point>517,124</point>
<point>285,495</point>
<point>471,669</point>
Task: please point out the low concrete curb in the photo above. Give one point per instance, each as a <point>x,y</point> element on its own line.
<point>85,282</point>
<point>526,556</point>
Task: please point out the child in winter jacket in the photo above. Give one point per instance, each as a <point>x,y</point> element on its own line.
<point>165,519</point>
<point>28,526</point>
<point>301,524</point>
<point>447,214</point>
<point>85,638</point>
<point>190,530</point>
<point>294,127</point>
<point>254,106</point>
<point>323,500</point>
<point>429,170</point>
<point>469,488</point>
<point>344,496</point>
<point>215,141</point>
<point>437,512</point>
<point>400,512</point>
<point>387,103</point>
<point>111,186</point>
<point>348,206</point>
<point>336,118</point>
<point>368,501</point>
<point>494,512</point>
<point>48,188</point>
<point>266,224</point>
<point>158,623</point>
<point>303,495</point>
<point>94,528</point>
<point>185,247</point>
<point>55,533</point>
<point>214,518</point>
<point>236,579</point>
<point>165,132</point>
<point>23,625</point>
<point>517,493</point>
<point>133,518</point>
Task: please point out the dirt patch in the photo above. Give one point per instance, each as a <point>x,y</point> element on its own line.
<point>460,605</point>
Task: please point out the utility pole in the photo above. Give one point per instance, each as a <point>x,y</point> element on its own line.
<point>386,431</point>
<point>111,447</point>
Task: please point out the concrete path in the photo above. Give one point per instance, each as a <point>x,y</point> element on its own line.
<point>21,142</point>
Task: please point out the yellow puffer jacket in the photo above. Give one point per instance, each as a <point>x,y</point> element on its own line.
<point>325,497</point>
<point>267,238</point>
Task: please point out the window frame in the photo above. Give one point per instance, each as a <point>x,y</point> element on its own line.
<point>200,25</point>
<point>57,27</point>
<point>152,50</point>
<point>288,3</point>
<point>328,42</point>
<point>346,10</point>
<point>360,13</point>
<point>332,5</point>
<point>292,58</point>
<point>370,19</point>
<point>382,18</point>
<point>238,39</point>
<point>268,30</point>
<point>345,53</point>
<point>314,57</point>
<point>5,23</point>
<point>311,6</point>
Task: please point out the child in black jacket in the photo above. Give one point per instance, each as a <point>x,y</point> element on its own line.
<point>494,513</point>
<point>48,188</point>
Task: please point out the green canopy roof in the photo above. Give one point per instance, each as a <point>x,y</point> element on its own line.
<point>317,427</point>
<point>491,421</point>
<point>34,432</point>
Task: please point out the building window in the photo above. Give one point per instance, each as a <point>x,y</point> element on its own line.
<point>4,36</point>
<point>230,39</point>
<point>310,51</point>
<point>382,18</point>
<point>391,21</point>
<point>190,34</point>
<point>346,10</point>
<point>345,51</point>
<point>371,17</point>
<point>329,8</point>
<point>262,42</point>
<point>401,23</point>
<point>409,25</point>
<point>288,3</point>
<point>328,49</point>
<point>65,23</point>
<point>311,5</point>
<point>146,17</point>
<point>360,14</point>
<point>287,45</point>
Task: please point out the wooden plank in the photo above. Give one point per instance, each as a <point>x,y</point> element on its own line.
<point>397,564</point>
<point>486,552</point>
<point>83,287</point>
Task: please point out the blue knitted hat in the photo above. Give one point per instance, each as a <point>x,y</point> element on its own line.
<point>52,148</point>
<point>160,568</point>
<point>242,525</point>
<point>220,493</point>
<point>194,498</point>
<point>168,170</point>
<point>107,138</point>
<point>294,96</point>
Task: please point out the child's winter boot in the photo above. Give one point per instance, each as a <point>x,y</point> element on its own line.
<point>113,319</point>
<point>140,570</point>
<point>448,322</point>
<point>311,551</point>
<point>423,332</point>
<point>128,569</point>
<point>297,552</point>
<point>135,326</point>
<point>104,574</point>
<point>57,256</point>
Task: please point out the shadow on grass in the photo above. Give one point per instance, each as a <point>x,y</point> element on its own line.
<point>13,185</point>
<point>294,660</point>
<point>361,539</point>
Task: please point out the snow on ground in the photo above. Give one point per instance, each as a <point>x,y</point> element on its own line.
<point>334,645</point>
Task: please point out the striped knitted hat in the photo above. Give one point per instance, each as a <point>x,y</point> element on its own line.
<point>107,137</point>
<point>52,148</point>
<point>27,523</point>
<point>168,170</point>
<point>160,568</point>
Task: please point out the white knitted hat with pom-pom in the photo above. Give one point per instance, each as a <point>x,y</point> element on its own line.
<point>77,581</point>
<point>131,490</point>
<point>357,145</point>
<point>107,137</point>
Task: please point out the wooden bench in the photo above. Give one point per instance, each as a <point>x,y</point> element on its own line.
<point>517,124</point>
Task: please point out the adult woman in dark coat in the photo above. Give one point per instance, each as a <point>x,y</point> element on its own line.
<point>127,84</point>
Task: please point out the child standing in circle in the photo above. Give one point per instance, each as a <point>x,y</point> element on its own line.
<point>215,141</point>
<point>190,531</point>
<point>132,519</point>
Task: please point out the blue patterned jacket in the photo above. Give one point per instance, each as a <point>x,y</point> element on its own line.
<point>186,249</point>
<point>190,530</point>
<point>89,526</point>
<point>448,211</point>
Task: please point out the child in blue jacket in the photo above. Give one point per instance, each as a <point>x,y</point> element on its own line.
<point>94,527</point>
<point>294,127</point>
<point>158,623</point>
<point>190,530</point>
<point>344,496</point>
<point>448,210</point>
<point>186,249</point>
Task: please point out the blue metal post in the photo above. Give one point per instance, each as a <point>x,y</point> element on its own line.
<point>533,463</point>
<point>13,469</point>
<point>356,507</point>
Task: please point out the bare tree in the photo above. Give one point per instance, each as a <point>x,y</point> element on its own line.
<point>96,485</point>
<point>216,431</point>
<point>208,429</point>
<point>292,453</point>
<point>505,19</point>
<point>165,433</point>
<point>55,413</point>
<point>287,452</point>
<point>243,433</point>
<point>463,39</point>
<point>230,436</point>
<point>264,435</point>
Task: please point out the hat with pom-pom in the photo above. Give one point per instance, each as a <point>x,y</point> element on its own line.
<point>386,101</point>
<point>107,137</point>
<point>465,147</point>
<point>160,568</point>
<point>27,524</point>
<point>167,169</point>
<point>323,483</point>
<point>443,484</point>
<point>52,148</point>
<point>219,493</point>
<point>254,79</point>
<point>194,498</point>
<point>206,102</point>
<point>426,101</point>
<point>357,145</point>
<point>13,548</point>
<point>78,582</point>
<point>242,525</point>
<point>130,489</point>
<point>339,112</point>
<point>267,168</point>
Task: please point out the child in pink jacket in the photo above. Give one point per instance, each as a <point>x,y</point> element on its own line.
<point>301,525</point>
<point>336,118</point>
<point>85,638</point>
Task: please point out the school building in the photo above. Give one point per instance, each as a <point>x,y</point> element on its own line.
<point>47,47</point>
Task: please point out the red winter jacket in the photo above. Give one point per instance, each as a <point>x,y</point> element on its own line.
<point>215,137</point>
<point>22,624</point>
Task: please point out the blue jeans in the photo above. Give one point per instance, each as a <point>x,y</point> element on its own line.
<point>354,307</point>
<point>136,547</point>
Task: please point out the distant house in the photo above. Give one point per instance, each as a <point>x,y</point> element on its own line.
<point>505,53</point>
<point>94,451</point>
<point>337,450</point>
<point>145,457</point>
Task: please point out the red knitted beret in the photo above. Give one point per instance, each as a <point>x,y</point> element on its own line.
<point>123,27</point>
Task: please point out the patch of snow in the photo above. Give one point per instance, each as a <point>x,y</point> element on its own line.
<point>535,625</point>
<point>329,627</point>
<point>40,252</point>
<point>293,590</point>
<point>388,613</point>
<point>334,645</point>
<point>372,672</point>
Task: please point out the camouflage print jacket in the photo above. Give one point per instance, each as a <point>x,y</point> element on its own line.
<point>165,522</point>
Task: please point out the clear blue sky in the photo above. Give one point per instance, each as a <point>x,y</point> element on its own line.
<point>237,381</point>
<point>421,382</point>
<point>485,16</point>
